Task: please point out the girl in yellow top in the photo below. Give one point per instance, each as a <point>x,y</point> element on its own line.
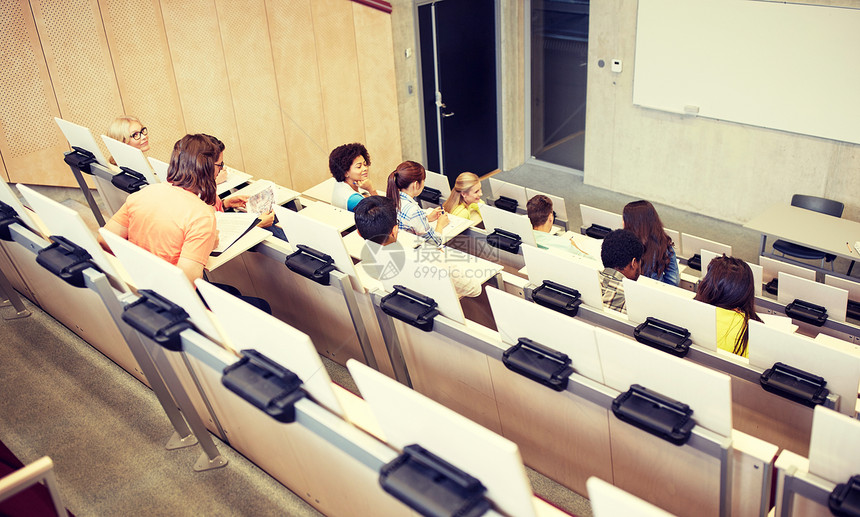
<point>729,285</point>
<point>465,199</point>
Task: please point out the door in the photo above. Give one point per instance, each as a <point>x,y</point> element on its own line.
<point>458,77</point>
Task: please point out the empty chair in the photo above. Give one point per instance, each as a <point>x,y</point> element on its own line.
<point>816,204</point>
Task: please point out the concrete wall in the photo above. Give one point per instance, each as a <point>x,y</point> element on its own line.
<point>722,169</point>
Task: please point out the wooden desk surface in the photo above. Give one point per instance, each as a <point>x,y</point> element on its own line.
<point>820,231</point>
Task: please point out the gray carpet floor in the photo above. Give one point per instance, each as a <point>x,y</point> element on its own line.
<point>106,432</point>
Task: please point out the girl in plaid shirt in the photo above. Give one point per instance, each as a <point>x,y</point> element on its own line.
<point>404,185</point>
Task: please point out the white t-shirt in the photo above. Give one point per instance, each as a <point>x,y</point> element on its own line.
<point>341,194</point>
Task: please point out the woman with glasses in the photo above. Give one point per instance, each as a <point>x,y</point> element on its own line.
<point>129,130</point>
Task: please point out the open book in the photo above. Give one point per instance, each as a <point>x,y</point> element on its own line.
<point>231,227</point>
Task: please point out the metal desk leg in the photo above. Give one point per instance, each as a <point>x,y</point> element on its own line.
<point>97,213</point>
<point>11,298</point>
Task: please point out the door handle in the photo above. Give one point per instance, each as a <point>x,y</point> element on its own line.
<point>446,115</point>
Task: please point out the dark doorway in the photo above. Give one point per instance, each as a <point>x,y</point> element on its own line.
<point>458,78</point>
<point>559,76</point>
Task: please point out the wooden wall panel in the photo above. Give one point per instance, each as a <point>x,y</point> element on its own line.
<point>194,40</point>
<point>31,144</point>
<point>378,90</point>
<point>281,83</point>
<point>144,74</point>
<point>338,68</point>
<point>291,29</point>
<point>251,72</point>
<point>78,59</point>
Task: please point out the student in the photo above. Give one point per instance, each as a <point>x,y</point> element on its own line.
<point>376,221</point>
<point>730,286</point>
<point>176,220</point>
<point>621,253</point>
<point>404,185</point>
<point>348,164</point>
<point>541,215</point>
<point>465,199</point>
<point>659,261</point>
<point>129,130</point>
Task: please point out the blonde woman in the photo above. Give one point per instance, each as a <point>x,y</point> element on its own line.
<point>129,130</point>
<point>465,200</point>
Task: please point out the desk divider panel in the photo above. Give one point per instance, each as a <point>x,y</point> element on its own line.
<point>407,417</point>
<point>295,456</point>
<point>293,298</point>
<point>834,299</point>
<point>839,367</point>
<point>591,215</point>
<point>159,167</point>
<point>514,223</point>
<point>571,272</point>
<point>610,501</point>
<point>438,182</point>
<point>80,136</point>
<point>707,392</point>
<point>422,278</point>
<point>8,196</point>
<point>675,478</point>
<point>853,288</point>
<point>834,448</point>
<point>644,300</point>
<point>148,271</point>
<point>247,327</point>
<point>517,318</point>
<point>320,236</point>
<point>675,235</point>
<point>692,245</point>
<point>503,188</point>
<point>131,157</point>
<point>63,221</point>
<point>772,268</point>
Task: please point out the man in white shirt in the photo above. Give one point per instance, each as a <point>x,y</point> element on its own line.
<point>541,215</point>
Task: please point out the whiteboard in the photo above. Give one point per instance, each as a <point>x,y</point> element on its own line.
<point>782,66</point>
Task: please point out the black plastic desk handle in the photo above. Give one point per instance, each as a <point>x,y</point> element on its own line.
<point>557,297</point>
<point>410,307</point>
<point>844,501</point>
<point>795,384</point>
<point>311,264</point>
<point>655,413</point>
<point>539,363</point>
<point>265,384</point>
<point>431,486</point>
<point>663,336</point>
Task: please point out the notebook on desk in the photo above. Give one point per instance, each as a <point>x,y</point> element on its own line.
<point>231,227</point>
<point>456,226</point>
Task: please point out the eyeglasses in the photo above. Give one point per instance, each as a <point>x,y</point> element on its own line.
<point>220,165</point>
<point>137,134</point>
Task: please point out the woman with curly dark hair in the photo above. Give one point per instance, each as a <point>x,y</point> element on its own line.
<point>730,286</point>
<point>659,261</point>
<point>348,164</point>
